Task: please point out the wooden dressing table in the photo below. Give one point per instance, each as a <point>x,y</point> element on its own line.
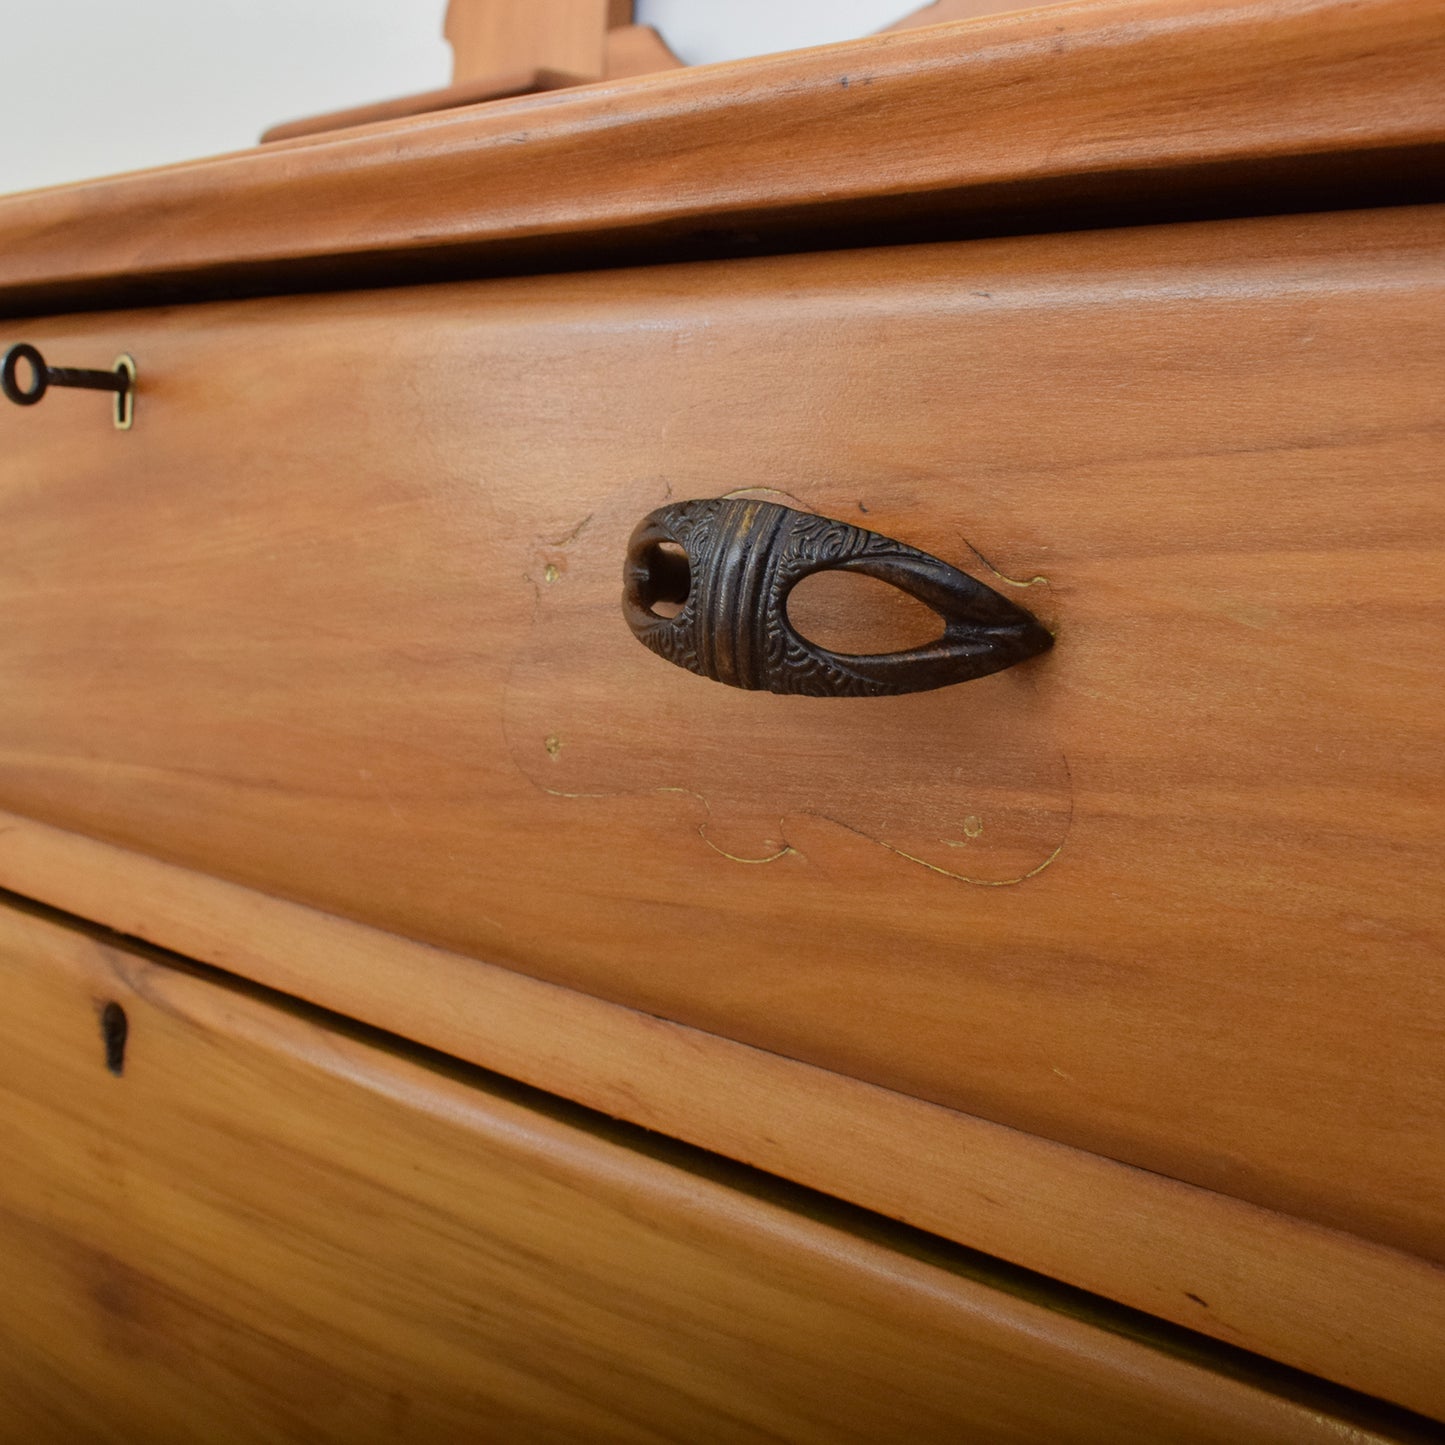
<point>433,1015</point>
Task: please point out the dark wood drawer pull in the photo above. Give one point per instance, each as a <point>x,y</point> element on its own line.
<point>120,380</point>
<point>729,564</point>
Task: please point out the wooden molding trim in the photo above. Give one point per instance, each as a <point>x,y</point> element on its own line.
<point>1050,118</point>
<point>1358,1314</point>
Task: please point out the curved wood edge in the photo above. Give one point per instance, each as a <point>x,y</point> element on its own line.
<point>1337,1306</point>
<point>1056,117</point>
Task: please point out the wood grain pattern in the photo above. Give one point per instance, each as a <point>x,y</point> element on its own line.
<point>1325,1302</point>
<point>370,657</point>
<point>257,1229</point>
<point>1055,117</point>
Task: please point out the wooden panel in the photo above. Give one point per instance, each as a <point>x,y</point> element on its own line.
<point>1062,115</point>
<point>638,50</point>
<point>1326,1302</point>
<point>241,1226</point>
<point>501,37</point>
<point>369,657</point>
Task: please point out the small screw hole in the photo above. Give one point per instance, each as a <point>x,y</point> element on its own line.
<point>669,579</point>
<point>114,1029</point>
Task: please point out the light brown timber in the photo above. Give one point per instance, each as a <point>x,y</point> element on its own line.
<point>501,37</point>
<point>637,50</point>
<point>251,1227</point>
<point>1325,1302</point>
<point>1169,894</point>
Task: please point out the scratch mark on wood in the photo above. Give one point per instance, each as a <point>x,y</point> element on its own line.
<point>1003,577</point>
<point>575,533</point>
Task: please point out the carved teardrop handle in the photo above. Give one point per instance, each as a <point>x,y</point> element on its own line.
<point>730,562</point>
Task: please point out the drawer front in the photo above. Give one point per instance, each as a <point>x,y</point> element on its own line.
<point>233,1224</point>
<point>339,620</point>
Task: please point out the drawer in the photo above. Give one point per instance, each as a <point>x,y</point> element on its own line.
<point>338,620</point>
<point>224,1220</point>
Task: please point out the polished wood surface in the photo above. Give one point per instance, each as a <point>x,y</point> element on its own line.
<point>1049,118</point>
<point>234,1224</point>
<point>1325,1302</point>
<point>1153,895</point>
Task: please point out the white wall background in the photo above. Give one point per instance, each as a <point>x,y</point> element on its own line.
<point>93,87</point>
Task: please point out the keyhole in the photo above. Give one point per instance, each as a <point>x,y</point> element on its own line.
<point>114,1030</point>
